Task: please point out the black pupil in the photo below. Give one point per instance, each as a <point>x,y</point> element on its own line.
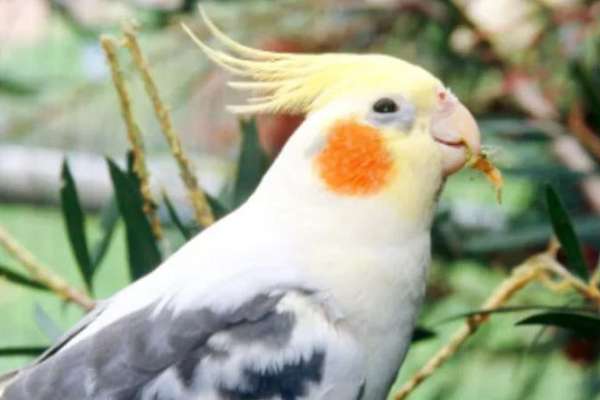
<point>385,105</point>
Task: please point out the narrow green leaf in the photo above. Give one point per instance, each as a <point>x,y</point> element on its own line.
<point>563,228</point>
<point>551,173</point>
<point>108,222</point>
<point>22,351</point>
<point>19,279</point>
<point>588,87</point>
<point>185,232</point>
<point>420,333</point>
<point>75,225</point>
<point>252,163</point>
<point>16,88</point>
<point>526,236</point>
<point>219,210</point>
<point>142,249</point>
<point>72,22</point>
<point>511,126</point>
<point>582,324</point>
<point>130,157</point>
<point>46,324</point>
<point>514,309</point>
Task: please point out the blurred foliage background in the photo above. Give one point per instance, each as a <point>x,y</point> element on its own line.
<point>528,69</point>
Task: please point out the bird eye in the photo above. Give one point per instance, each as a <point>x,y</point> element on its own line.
<point>385,106</point>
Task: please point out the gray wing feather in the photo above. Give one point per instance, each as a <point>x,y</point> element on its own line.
<point>249,352</point>
<point>118,361</point>
<point>8,378</point>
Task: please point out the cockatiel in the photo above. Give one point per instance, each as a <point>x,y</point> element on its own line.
<point>311,289</point>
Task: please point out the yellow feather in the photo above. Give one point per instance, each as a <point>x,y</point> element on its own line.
<point>301,83</point>
<point>235,46</point>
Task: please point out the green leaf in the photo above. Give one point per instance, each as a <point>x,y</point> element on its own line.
<point>582,324</point>
<point>548,173</point>
<point>75,225</point>
<point>514,309</point>
<point>185,232</point>
<point>420,333</point>
<point>588,87</point>
<point>512,127</point>
<point>526,236</point>
<point>108,222</point>
<point>19,279</point>
<point>15,88</point>
<point>22,351</point>
<point>72,21</point>
<point>131,168</point>
<point>219,210</point>
<point>46,324</point>
<point>563,228</point>
<point>252,164</point>
<point>142,249</point>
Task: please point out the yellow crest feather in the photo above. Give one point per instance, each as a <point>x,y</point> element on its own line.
<point>300,83</point>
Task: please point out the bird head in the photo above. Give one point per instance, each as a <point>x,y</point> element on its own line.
<point>376,127</point>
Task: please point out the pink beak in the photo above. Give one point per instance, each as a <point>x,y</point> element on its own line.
<point>455,129</point>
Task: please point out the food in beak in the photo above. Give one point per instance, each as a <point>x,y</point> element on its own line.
<point>455,129</point>
<point>480,162</point>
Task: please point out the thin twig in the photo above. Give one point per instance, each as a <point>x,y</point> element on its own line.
<point>520,277</point>
<point>133,134</point>
<point>586,289</point>
<point>202,209</point>
<point>43,274</point>
<point>535,268</point>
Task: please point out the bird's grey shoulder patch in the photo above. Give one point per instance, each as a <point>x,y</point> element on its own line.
<point>119,361</point>
<point>257,321</point>
<point>290,381</point>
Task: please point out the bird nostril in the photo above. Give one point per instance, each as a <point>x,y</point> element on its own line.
<point>442,95</point>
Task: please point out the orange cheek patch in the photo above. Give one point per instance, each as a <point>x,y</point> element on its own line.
<point>354,160</point>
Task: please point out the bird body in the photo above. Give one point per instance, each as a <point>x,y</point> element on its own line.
<point>351,329</point>
<point>311,289</point>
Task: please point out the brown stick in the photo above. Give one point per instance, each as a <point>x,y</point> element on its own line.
<point>43,274</point>
<point>520,277</point>
<point>202,209</point>
<point>588,290</point>
<point>536,267</point>
<point>133,134</point>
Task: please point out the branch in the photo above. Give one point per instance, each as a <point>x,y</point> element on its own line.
<point>588,290</point>
<point>535,268</point>
<point>202,209</point>
<point>520,277</point>
<point>43,274</point>
<point>133,134</point>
